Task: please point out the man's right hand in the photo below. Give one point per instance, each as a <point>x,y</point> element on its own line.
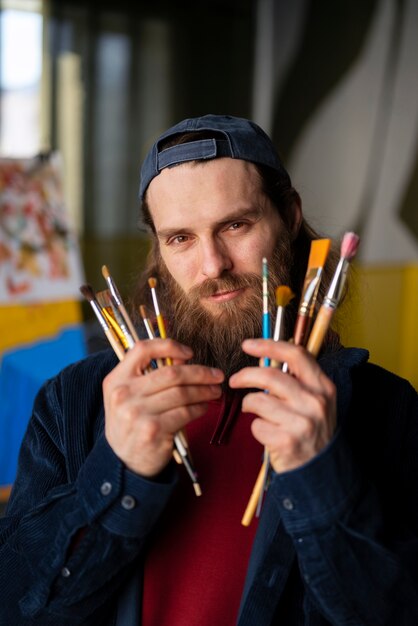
<point>143,412</point>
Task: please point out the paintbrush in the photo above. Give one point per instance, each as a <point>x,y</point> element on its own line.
<point>349,246</point>
<point>119,302</point>
<point>317,257</point>
<point>255,496</point>
<point>283,296</point>
<point>152,282</point>
<point>180,439</point>
<point>114,318</point>
<point>88,293</point>
<point>147,322</point>
<point>265,362</point>
<point>266,311</point>
<point>150,331</point>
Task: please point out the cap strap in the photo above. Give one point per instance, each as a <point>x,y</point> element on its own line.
<point>193,150</point>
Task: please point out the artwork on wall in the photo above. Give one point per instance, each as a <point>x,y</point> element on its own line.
<point>39,255</point>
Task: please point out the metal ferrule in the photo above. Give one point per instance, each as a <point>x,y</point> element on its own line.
<point>114,292</point>
<point>96,308</point>
<point>337,284</point>
<point>309,295</point>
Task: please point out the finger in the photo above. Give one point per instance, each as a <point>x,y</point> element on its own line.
<point>276,412</point>
<point>161,400</point>
<point>286,396</point>
<point>140,356</point>
<point>259,378</point>
<point>278,385</point>
<point>176,417</point>
<point>165,412</point>
<point>287,449</point>
<point>301,364</point>
<point>174,376</point>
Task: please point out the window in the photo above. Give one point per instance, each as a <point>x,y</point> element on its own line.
<point>20,77</point>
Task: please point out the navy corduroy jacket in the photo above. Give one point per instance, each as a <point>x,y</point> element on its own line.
<point>337,540</point>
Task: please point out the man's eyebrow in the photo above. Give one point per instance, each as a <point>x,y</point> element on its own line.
<point>235,216</point>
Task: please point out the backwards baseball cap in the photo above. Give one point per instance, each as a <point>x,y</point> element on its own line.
<point>237,138</point>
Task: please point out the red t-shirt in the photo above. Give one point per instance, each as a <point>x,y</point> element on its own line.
<point>196,565</point>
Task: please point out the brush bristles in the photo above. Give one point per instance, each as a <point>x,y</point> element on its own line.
<point>349,245</point>
<point>283,295</point>
<point>143,312</point>
<point>152,282</point>
<point>105,272</point>
<point>88,292</point>
<point>318,252</point>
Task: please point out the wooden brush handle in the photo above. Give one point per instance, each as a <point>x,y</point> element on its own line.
<point>253,501</point>
<point>301,331</point>
<point>319,329</point>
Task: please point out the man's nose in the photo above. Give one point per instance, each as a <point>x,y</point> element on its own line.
<point>215,258</point>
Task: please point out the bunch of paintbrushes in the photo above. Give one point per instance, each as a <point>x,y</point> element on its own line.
<point>309,331</point>
<point>334,294</point>
<point>117,325</point>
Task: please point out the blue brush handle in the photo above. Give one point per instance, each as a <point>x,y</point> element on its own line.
<point>266,334</point>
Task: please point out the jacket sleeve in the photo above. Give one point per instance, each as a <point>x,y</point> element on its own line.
<point>353,519</point>
<point>67,544</point>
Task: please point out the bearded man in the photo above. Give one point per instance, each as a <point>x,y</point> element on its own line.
<point>103,526</point>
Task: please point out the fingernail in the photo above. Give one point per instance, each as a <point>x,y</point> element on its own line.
<point>187,350</point>
<point>215,372</point>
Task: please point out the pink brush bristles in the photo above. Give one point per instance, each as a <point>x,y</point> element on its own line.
<point>349,245</point>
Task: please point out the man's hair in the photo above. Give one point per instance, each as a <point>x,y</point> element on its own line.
<point>278,188</point>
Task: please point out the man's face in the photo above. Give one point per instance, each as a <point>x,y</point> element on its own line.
<point>212,221</point>
<point>214,225</point>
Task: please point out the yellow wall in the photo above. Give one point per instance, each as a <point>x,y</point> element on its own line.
<point>22,324</point>
<point>382,316</point>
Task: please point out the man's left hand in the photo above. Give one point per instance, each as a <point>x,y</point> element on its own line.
<point>296,418</point>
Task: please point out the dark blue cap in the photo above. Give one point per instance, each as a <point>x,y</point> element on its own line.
<point>243,139</point>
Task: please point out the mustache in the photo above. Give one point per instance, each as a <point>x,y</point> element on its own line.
<point>229,282</point>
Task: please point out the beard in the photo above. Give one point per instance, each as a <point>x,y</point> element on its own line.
<point>216,336</point>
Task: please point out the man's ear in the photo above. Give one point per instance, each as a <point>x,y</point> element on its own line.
<point>295,218</point>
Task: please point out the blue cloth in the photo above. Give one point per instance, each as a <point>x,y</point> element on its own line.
<point>336,543</point>
<point>22,372</point>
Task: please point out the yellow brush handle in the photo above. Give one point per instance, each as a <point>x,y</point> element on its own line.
<point>115,343</point>
<point>319,329</point>
<point>163,334</point>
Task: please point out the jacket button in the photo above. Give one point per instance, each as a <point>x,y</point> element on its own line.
<point>105,488</point>
<point>288,504</point>
<point>128,502</point>
<point>65,572</point>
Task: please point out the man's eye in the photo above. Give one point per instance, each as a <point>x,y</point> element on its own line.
<point>178,239</point>
<point>236,225</point>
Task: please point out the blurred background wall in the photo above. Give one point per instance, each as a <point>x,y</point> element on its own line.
<point>333,81</point>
